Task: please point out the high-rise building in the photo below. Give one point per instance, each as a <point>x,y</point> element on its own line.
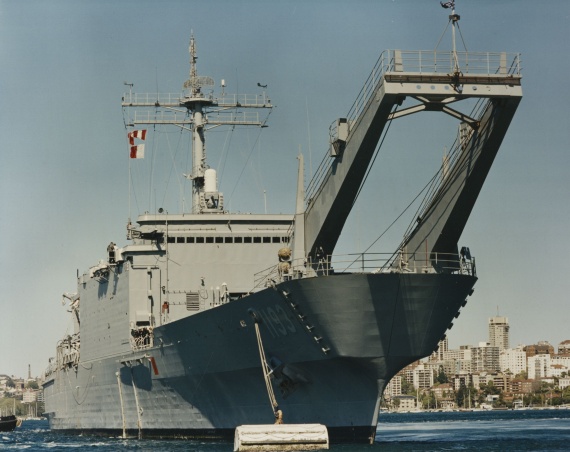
<point>423,377</point>
<point>393,388</point>
<point>485,358</point>
<point>539,366</point>
<point>442,347</point>
<point>513,360</point>
<point>499,332</point>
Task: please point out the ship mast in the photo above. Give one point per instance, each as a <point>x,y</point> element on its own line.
<point>195,102</point>
<point>190,111</point>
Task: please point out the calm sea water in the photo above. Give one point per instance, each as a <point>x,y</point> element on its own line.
<point>543,430</point>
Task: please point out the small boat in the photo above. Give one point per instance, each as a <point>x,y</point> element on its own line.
<point>9,423</point>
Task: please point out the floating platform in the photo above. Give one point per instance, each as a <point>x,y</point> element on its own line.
<point>283,437</point>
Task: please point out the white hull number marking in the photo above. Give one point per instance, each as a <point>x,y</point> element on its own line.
<point>277,321</point>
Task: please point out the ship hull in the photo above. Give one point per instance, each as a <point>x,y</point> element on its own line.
<point>333,342</point>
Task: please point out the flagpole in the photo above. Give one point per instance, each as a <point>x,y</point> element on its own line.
<point>130,188</point>
<point>454,19</point>
<point>130,85</point>
<point>456,65</point>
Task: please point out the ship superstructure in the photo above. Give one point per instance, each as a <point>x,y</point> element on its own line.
<point>164,343</point>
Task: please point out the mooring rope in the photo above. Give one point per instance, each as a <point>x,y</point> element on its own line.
<point>265,368</point>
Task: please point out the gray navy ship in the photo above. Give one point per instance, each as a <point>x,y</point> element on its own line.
<point>164,343</point>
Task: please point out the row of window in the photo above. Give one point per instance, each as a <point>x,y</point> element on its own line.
<point>227,239</point>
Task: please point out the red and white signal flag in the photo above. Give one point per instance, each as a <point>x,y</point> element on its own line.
<point>137,152</point>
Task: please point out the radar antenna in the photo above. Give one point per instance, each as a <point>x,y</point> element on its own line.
<point>195,82</point>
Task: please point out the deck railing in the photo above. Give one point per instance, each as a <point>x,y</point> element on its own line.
<point>178,99</point>
<point>365,263</point>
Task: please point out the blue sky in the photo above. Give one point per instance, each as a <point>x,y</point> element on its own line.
<point>63,165</point>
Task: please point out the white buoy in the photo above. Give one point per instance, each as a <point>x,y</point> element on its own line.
<point>283,437</point>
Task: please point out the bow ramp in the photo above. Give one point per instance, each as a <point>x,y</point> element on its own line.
<point>433,81</point>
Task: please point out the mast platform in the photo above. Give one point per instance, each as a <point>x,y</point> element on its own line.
<point>174,108</point>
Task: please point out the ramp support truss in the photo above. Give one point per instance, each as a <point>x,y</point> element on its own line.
<point>436,80</point>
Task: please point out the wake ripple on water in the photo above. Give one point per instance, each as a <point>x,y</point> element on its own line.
<point>495,431</point>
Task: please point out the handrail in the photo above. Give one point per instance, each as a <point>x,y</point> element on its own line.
<point>178,99</point>
<point>181,117</point>
<point>365,263</point>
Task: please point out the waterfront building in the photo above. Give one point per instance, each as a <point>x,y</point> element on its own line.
<point>564,347</point>
<point>442,348</point>
<point>563,383</point>
<point>29,396</point>
<point>513,360</point>
<point>485,358</point>
<point>499,332</point>
<point>542,348</point>
<point>463,353</point>
<point>406,403</point>
<point>19,384</point>
<point>539,366</point>
<point>486,377</point>
<point>502,382</point>
<point>447,404</point>
<point>465,379</point>
<point>443,391</point>
<point>455,366</point>
<point>557,370</point>
<point>408,371</point>
<point>393,388</point>
<point>562,360</point>
<point>456,360</point>
<point>423,377</point>
<point>519,386</point>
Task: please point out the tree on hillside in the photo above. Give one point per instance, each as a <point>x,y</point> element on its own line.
<point>489,388</point>
<point>466,396</point>
<point>522,375</point>
<point>7,406</point>
<point>407,387</point>
<point>441,376</point>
